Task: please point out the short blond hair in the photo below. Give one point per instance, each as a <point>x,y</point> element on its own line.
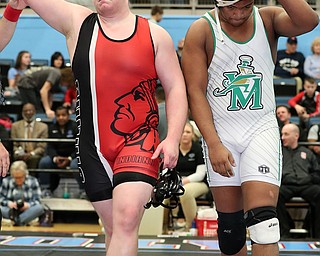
<point>19,166</point>
<point>315,42</point>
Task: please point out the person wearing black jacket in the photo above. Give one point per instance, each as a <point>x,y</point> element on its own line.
<point>290,62</point>
<point>60,155</point>
<point>300,177</point>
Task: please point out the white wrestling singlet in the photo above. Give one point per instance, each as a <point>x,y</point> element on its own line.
<point>241,96</point>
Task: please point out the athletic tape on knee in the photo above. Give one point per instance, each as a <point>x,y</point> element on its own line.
<point>263,225</point>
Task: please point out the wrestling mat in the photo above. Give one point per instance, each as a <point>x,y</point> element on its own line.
<point>81,244</point>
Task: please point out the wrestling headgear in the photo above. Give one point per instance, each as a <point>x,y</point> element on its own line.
<point>222,3</point>
<point>168,186</point>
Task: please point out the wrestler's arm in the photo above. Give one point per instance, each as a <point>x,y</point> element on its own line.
<point>7,27</point>
<point>195,59</point>
<point>294,18</point>
<point>170,75</point>
<point>63,16</point>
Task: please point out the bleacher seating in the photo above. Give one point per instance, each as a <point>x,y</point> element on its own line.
<point>70,204</point>
<point>314,120</point>
<point>285,87</point>
<point>39,62</point>
<point>67,170</point>
<point>282,100</point>
<point>294,119</point>
<point>13,116</point>
<point>67,62</point>
<point>58,97</point>
<point>12,106</point>
<point>299,218</point>
<point>42,117</point>
<point>5,65</point>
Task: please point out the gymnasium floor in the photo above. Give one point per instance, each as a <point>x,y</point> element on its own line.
<point>26,243</point>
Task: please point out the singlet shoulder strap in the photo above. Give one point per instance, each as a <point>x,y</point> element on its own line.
<point>208,17</point>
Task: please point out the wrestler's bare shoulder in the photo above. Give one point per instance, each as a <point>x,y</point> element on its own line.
<point>159,34</point>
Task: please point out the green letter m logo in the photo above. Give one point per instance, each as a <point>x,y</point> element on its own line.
<point>244,86</point>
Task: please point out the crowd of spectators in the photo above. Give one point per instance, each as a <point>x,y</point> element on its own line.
<point>298,122</point>
<point>41,118</point>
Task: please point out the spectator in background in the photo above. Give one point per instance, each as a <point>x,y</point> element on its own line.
<point>290,62</point>
<point>300,177</point>
<point>156,14</point>
<point>180,48</point>
<point>8,24</point>
<point>196,133</point>
<point>22,64</point>
<point>70,98</point>
<point>307,102</point>
<point>57,60</point>
<point>312,62</point>
<point>163,124</point>
<point>5,128</point>
<point>20,195</point>
<point>38,84</point>
<point>30,152</point>
<point>193,172</point>
<point>314,136</point>
<point>60,155</point>
<point>4,134</point>
<point>283,115</point>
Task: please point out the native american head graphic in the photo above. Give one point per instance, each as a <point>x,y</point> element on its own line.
<point>139,101</point>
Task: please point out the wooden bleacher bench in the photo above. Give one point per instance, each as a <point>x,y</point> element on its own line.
<point>67,170</point>
<point>282,100</point>
<point>285,87</point>
<point>69,204</point>
<point>300,203</point>
<point>64,204</point>
<point>297,202</point>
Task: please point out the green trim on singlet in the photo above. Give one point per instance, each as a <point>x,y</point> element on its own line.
<point>254,27</point>
<point>279,167</point>
<point>213,34</point>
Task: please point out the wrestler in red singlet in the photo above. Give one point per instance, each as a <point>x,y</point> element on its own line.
<point>116,109</point>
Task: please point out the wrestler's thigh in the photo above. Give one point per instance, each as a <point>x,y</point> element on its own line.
<point>262,159</point>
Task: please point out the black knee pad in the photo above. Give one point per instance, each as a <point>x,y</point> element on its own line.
<point>263,225</point>
<point>231,232</point>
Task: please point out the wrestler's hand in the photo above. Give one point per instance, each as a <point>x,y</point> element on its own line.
<point>17,4</point>
<point>221,160</point>
<point>170,150</point>
<point>4,160</point>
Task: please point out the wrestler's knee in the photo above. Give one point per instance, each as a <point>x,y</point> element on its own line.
<point>263,225</point>
<point>127,219</point>
<point>231,232</point>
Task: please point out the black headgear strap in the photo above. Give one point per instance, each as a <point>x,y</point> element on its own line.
<point>168,185</point>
